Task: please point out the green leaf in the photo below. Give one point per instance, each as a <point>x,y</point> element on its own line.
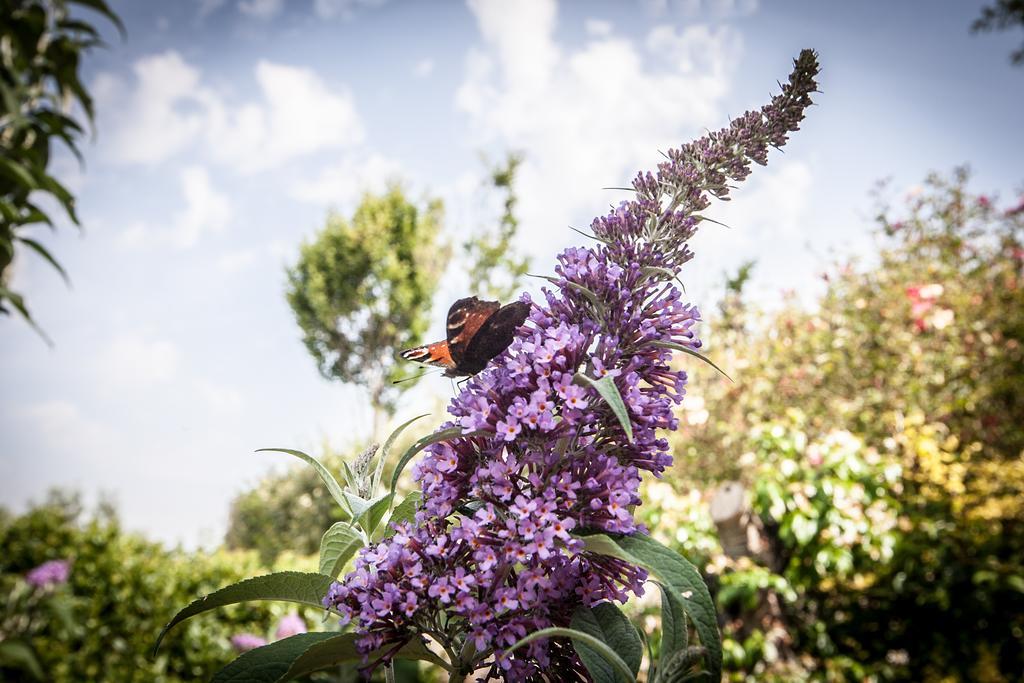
<point>607,623</point>
<point>329,481</point>
<point>41,250</point>
<point>674,572</point>
<point>19,304</point>
<point>436,437</point>
<point>15,654</point>
<point>378,508</point>
<point>404,511</point>
<point>341,649</point>
<point>580,637</point>
<point>271,662</point>
<point>610,393</point>
<point>18,173</point>
<point>589,295</point>
<point>386,450</point>
<point>303,588</point>
<point>674,633</point>
<point>104,9</point>
<point>339,543</point>
<point>687,349</point>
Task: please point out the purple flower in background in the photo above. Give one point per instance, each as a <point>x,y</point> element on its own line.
<point>51,573</point>
<point>290,625</point>
<point>243,642</point>
<point>490,554</point>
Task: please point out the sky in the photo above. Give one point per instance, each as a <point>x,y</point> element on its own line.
<point>227,129</point>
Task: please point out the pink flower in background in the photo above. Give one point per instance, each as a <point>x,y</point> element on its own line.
<point>984,202</point>
<point>1016,209</point>
<point>922,298</point>
<point>51,573</point>
<point>290,625</point>
<point>243,642</point>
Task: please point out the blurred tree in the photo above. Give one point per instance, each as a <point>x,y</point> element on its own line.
<point>496,266</point>
<point>1002,15</point>
<point>42,47</point>
<point>879,437</point>
<point>284,512</point>
<point>362,290</point>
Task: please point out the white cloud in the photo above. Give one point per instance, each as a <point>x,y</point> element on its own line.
<point>218,398</point>
<point>61,425</point>
<point>261,9</point>
<point>590,117</point>
<point>774,205</point>
<point>150,124</point>
<point>206,209</point>
<point>208,7</point>
<point>170,109</point>
<point>328,9</point>
<point>423,68</point>
<point>343,183</point>
<point>691,8</point>
<point>237,260</point>
<point>133,359</point>
<point>299,115</point>
<point>598,27</point>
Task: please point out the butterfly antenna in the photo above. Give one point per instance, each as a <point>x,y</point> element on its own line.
<point>412,377</point>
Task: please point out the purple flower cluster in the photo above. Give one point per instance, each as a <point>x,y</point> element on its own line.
<point>50,573</point>
<point>491,554</point>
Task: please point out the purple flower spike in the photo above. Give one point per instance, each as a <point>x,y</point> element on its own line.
<point>491,555</point>
<point>50,573</point>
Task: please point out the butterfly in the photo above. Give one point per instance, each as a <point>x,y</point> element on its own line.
<point>477,332</point>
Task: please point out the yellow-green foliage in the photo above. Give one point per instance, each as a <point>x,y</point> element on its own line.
<point>125,589</point>
<point>881,436</point>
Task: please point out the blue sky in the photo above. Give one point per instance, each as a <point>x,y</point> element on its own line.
<point>227,129</point>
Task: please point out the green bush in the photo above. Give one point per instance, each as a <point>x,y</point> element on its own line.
<point>879,436</point>
<point>125,589</point>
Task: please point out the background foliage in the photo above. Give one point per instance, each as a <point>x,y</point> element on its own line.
<point>125,589</point>
<point>42,100</point>
<point>879,437</point>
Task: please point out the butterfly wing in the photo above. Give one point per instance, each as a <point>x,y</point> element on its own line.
<point>465,318</point>
<point>436,355</point>
<point>493,336</point>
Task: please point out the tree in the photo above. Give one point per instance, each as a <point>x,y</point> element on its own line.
<point>39,87</point>
<point>496,267</point>
<point>1000,16</point>
<point>362,290</point>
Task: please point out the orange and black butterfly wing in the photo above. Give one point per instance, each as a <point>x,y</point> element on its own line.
<point>465,319</point>
<point>436,355</point>
<point>493,337</point>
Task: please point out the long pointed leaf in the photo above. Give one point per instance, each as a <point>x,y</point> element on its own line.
<point>386,450</point>
<point>673,571</point>
<point>687,349</point>
<point>303,588</point>
<point>609,624</point>
<point>610,393</point>
<point>341,649</point>
<point>271,662</point>
<point>579,636</point>
<point>325,475</point>
<point>42,251</point>
<point>436,437</point>
<point>338,544</point>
